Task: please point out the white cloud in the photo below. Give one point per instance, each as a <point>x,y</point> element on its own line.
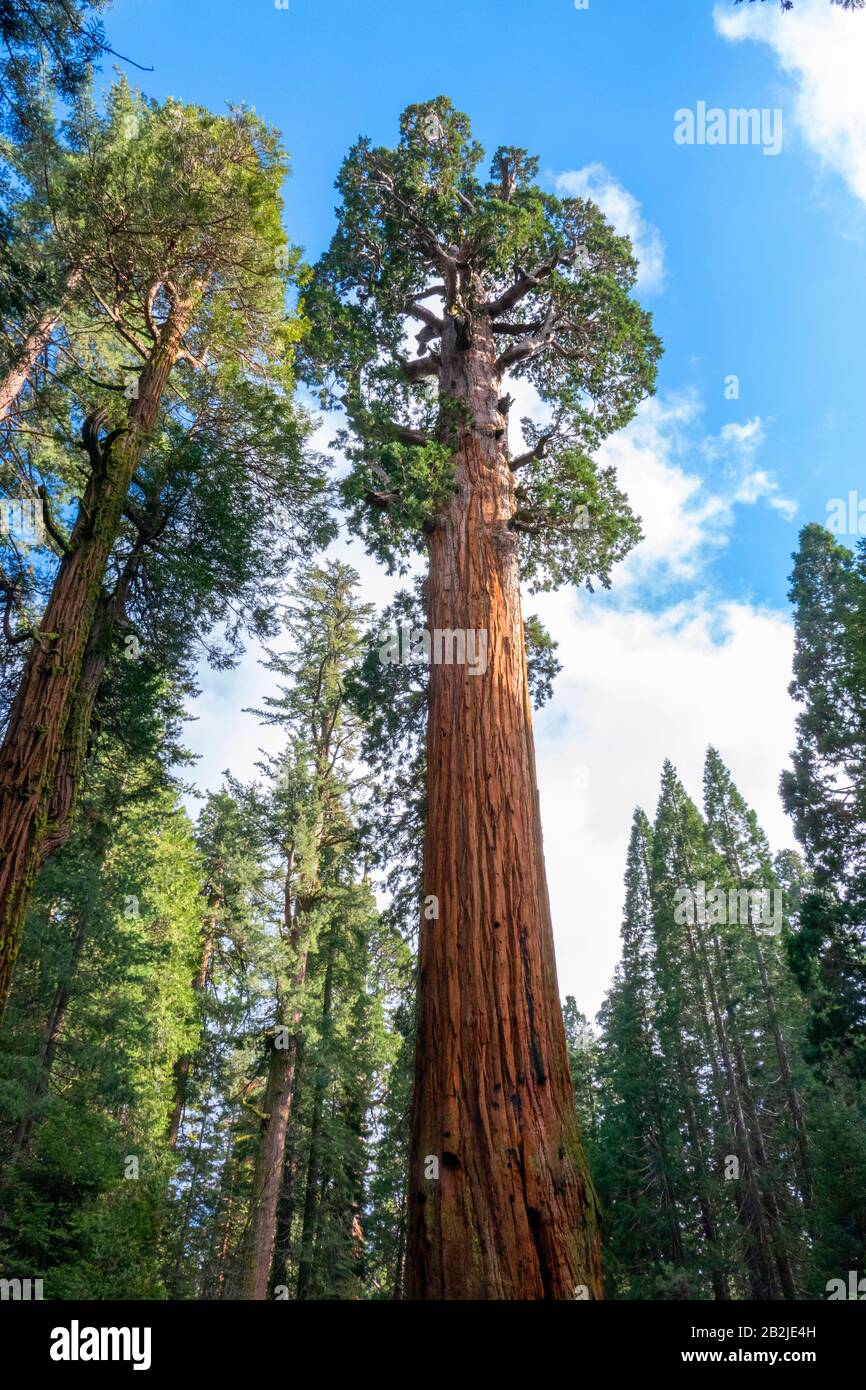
<point>623,210</point>
<point>685,517</point>
<point>736,445</point>
<point>823,48</point>
<point>637,688</point>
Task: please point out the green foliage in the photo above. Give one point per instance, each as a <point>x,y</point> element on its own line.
<point>416,222</point>
<point>91,1038</point>
<point>825,792</point>
<point>701,1060</point>
<point>46,47</point>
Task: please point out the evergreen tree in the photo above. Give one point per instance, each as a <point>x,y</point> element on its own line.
<point>197,295</point>
<point>95,1029</point>
<point>703,1147</point>
<point>825,793</point>
<point>539,288</point>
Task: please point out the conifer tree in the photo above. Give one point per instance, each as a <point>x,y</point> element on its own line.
<point>538,288</point>
<point>195,291</point>
<point>825,792</point>
<point>311,824</point>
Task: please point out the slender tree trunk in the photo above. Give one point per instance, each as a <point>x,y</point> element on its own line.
<point>656,1141</point>
<point>501,1201</point>
<point>306,1262</point>
<point>267,1179</point>
<point>43,704</point>
<point>288,1192</point>
<point>792,1095</point>
<point>204,1282</point>
<point>752,1212</point>
<point>709,1224</point>
<point>762,1252</point>
<point>399,1276</point>
<point>12,384</point>
<point>355,1175</point>
<point>268,1172</point>
<point>191,1194</point>
<point>765,1182</point>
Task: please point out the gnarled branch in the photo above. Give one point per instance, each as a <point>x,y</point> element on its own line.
<point>523,285</point>
<point>54,531</point>
<point>531,346</point>
<point>537,452</point>
<point>420,367</point>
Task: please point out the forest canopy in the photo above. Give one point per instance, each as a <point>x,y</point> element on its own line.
<point>298,1035</point>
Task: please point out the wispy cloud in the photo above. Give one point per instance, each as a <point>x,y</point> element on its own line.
<point>623,211</point>
<point>823,48</point>
<point>687,514</point>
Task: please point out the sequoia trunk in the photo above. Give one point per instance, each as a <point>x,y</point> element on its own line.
<point>501,1202</point>
<point>43,704</point>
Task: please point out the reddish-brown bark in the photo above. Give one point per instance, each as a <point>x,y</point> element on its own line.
<point>12,384</point>
<point>512,1213</point>
<point>45,698</point>
<point>270,1158</point>
<point>73,749</point>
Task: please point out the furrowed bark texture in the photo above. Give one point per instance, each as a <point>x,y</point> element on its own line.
<point>512,1213</point>
<point>69,769</point>
<point>43,704</point>
<point>269,1171</point>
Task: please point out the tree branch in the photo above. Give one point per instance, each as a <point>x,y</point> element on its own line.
<point>150,298</point>
<point>529,347</point>
<point>51,526</point>
<point>523,285</point>
<point>537,452</point>
<point>418,311</point>
<point>13,639</point>
<point>421,366</point>
<point>389,429</point>
<point>425,294</point>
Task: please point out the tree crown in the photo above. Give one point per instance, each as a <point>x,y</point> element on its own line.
<point>546,279</point>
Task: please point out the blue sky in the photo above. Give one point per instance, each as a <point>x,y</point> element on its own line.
<point>753,266</point>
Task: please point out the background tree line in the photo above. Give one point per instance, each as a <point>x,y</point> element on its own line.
<point>208,1058</point>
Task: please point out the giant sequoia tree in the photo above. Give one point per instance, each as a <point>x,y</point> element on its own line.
<point>174,218</point>
<point>496,278</point>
